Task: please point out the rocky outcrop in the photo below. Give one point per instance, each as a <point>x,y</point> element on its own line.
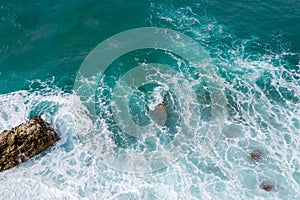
<point>25,141</point>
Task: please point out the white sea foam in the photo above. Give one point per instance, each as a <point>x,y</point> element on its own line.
<point>256,120</point>
<point>68,170</point>
<point>266,120</point>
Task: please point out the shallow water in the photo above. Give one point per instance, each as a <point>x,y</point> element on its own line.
<point>243,96</point>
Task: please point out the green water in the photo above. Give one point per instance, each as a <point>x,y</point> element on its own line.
<point>40,40</point>
<point>254,47</point>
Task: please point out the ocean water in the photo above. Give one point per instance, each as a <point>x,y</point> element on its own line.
<point>229,69</point>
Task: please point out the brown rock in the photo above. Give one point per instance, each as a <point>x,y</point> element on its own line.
<point>25,141</point>
<point>266,186</point>
<point>256,155</point>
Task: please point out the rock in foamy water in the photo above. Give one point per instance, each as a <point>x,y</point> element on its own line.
<point>160,112</point>
<point>256,155</point>
<point>266,186</point>
<point>25,141</point>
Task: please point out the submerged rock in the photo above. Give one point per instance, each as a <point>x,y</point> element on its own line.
<point>25,141</point>
<point>256,155</point>
<point>159,114</point>
<point>267,186</point>
<point>232,131</point>
<point>160,109</point>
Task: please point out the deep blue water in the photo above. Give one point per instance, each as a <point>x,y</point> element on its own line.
<point>248,78</point>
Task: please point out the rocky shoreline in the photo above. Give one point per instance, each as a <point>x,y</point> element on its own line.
<point>25,141</point>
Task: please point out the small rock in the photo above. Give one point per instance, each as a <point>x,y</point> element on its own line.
<point>266,186</point>
<point>256,155</point>
<point>163,104</point>
<point>160,113</point>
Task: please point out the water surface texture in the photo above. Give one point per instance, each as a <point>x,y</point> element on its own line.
<point>249,74</point>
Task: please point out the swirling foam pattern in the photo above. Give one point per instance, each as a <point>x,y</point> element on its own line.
<point>259,82</point>
<point>160,156</point>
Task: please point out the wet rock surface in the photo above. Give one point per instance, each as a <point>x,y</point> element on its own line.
<point>255,155</point>
<point>25,141</point>
<point>267,186</point>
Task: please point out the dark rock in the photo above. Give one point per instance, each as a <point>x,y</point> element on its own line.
<point>266,186</point>
<point>25,141</point>
<point>163,104</point>
<point>256,155</point>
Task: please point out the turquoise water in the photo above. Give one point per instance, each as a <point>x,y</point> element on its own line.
<point>253,48</point>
